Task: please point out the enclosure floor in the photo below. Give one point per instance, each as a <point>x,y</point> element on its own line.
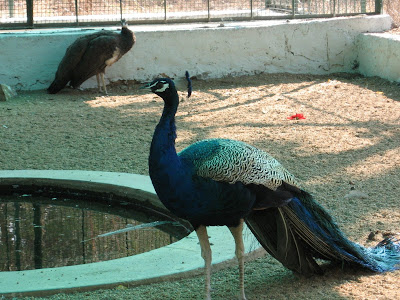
<point>349,140</point>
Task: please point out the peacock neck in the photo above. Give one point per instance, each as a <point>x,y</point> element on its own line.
<point>162,151</point>
<point>169,111</point>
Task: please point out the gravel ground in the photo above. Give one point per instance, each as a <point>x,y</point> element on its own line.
<point>349,140</point>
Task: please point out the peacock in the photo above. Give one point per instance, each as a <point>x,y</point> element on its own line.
<point>89,55</point>
<point>223,182</point>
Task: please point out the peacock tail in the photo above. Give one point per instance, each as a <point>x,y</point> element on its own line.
<point>301,231</point>
<point>285,219</point>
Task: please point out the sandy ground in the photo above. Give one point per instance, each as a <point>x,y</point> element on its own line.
<point>350,140</point>
<point>394,30</point>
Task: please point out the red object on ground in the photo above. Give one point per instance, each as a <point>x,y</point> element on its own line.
<point>296,117</point>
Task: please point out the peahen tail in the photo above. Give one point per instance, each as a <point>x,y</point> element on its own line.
<point>302,231</point>
<point>57,85</point>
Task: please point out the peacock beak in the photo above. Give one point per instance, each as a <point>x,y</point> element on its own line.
<point>147,86</point>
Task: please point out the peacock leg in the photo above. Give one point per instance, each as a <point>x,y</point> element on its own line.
<point>206,254</point>
<point>237,233</point>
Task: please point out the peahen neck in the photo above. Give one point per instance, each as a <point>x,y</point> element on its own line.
<point>128,39</point>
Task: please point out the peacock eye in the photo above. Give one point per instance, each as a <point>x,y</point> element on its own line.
<point>159,85</point>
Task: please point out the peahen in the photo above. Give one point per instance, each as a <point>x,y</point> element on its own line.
<point>89,55</point>
<point>217,182</point>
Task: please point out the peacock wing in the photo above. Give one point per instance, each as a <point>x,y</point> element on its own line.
<point>234,161</point>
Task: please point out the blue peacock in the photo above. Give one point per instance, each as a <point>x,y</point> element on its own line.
<point>217,182</point>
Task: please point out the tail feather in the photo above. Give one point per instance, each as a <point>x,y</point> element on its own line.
<point>300,232</point>
<point>274,232</point>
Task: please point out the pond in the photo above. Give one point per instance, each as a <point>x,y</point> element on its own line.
<point>45,232</point>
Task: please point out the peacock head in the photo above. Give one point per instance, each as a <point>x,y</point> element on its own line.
<point>165,87</point>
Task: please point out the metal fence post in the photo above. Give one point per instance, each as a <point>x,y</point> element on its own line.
<point>165,11</point>
<point>363,7</point>
<point>120,9</point>
<point>378,7</point>
<point>77,12</point>
<point>11,8</point>
<point>334,8</point>
<point>29,13</point>
<point>293,8</point>
<point>208,10</point>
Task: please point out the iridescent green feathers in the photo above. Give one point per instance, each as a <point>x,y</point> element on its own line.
<point>234,161</point>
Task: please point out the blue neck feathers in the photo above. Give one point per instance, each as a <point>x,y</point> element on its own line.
<point>165,132</point>
<point>164,162</point>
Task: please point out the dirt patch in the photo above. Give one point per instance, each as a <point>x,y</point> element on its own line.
<point>395,31</point>
<point>349,140</point>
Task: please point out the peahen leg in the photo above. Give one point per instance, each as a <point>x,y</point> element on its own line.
<point>237,233</point>
<point>206,254</point>
<point>103,83</point>
<point>98,81</point>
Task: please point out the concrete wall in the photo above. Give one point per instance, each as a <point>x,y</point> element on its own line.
<point>29,59</point>
<point>379,55</point>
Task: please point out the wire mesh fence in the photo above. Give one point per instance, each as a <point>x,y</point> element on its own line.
<point>50,13</point>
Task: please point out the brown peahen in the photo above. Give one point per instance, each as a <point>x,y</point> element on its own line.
<point>89,55</point>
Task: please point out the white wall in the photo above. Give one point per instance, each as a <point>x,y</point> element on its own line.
<point>29,59</point>
<point>379,55</point>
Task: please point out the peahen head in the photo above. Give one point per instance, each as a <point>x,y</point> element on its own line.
<point>124,24</point>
